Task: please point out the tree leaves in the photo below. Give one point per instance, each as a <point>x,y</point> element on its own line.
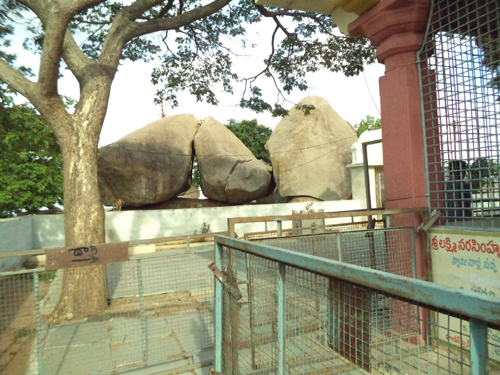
<point>31,174</point>
<point>368,123</point>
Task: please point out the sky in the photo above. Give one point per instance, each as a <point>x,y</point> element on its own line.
<point>131,104</point>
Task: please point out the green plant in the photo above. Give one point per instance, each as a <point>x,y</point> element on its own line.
<point>24,332</point>
<point>309,208</point>
<point>48,276</point>
<point>205,228</point>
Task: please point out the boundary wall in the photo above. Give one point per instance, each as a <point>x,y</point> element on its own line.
<point>47,231</point>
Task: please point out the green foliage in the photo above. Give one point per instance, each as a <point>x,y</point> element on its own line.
<point>368,123</point>
<point>24,332</point>
<point>31,174</point>
<point>205,228</point>
<point>481,169</point>
<point>196,176</point>
<point>253,135</point>
<point>309,208</point>
<point>48,276</point>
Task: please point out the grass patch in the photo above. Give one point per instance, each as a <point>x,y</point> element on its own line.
<point>24,332</point>
<point>48,276</point>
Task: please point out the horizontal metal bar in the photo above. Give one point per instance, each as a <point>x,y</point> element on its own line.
<point>454,300</point>
<point>22,272</point>
<point>131,243</point>
<point>326,215</point>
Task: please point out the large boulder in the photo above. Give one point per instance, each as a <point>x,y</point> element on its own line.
<point>229,171</point>
<point>150,165</point>
<point>309,153</point>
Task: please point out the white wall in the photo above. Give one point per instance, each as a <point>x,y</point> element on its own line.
<point>15,235</point>
<point>48,230</point>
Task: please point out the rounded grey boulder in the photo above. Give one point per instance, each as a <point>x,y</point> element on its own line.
<point>229,171</point>
<point>309,153</point>
<point>150,165</point>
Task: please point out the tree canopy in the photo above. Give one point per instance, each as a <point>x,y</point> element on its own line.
<point>31,173</point>
<point>368,123</point>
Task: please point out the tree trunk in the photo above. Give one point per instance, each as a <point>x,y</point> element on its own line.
<point>84,288</point>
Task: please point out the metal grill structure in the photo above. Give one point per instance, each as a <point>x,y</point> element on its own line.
<point>390,250</point>
<point>310,315</point>
<point>459,66</point>
<point>331,228</point>
<point>160,316</point>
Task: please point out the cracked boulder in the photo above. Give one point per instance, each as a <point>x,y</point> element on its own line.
<point>229,171</point>
<point>150,165</point>
<point>309,153</point>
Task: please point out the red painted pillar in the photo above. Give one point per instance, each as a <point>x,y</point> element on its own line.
<point>397,28</point>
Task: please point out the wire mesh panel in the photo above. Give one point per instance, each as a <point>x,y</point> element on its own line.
<point>160,313</point>
<point>18,329</point>
<point>391,250</point>
<point>292,320</point>
<point>345,227</point>
<point>460,82</point>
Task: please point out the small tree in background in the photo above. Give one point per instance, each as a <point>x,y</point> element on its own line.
<point>368,123</point>
<point>481,169</point>
<point>253,135</point>
<point>31,171</point>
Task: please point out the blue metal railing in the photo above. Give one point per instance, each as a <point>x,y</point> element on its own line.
<point>481,311</point>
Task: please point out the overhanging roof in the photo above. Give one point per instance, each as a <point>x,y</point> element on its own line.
<point>322,6</point>
<point>343,12</point>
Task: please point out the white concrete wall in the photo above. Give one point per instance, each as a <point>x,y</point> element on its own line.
<point>15,235</point>
<point>48,230</point>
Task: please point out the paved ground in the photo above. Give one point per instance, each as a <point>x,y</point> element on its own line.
<point>173,329</point>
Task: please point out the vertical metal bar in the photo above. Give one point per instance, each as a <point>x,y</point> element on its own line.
<point>332,328</point>
<point>218,310</point>
<point>187,243</point>
<point>250,290</point>
<point>38,322</point>
<point>478,347</point>
<point>413,252</point>
<point>279,224</point>
<point>367,184</point>
<point>281,319</point>
<point>339,247</point>
<point>142,312</point>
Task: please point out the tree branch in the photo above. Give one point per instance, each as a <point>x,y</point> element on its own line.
<point>139,29</point>
<point>56,17</point>
<point>16,80</point>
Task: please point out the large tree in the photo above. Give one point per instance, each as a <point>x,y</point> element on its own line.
<point>92,37</point>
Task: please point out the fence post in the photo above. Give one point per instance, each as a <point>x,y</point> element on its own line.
<point>478,347</point>
<point>142,311</point>
<point>38,321</point>
<point>218,310</point>
<point>250,290</point>
<point>281,319</point>
<point>279,227</point>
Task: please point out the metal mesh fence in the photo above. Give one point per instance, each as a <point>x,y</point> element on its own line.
<point>345,227</point>
<point>390,250</point>
<point>328,326</point>
<point>460,81</point>
<point>160,313</point>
